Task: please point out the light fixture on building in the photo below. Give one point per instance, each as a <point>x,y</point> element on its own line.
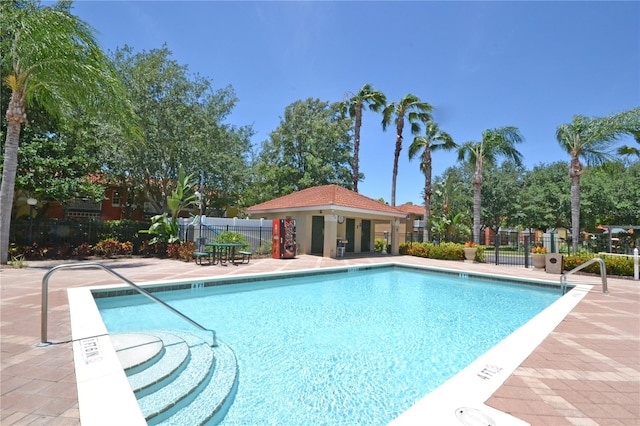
<point>32,203</point>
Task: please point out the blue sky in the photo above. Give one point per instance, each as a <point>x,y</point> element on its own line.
<point>481,65</point>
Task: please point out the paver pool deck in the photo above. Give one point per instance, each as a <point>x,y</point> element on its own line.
<point>586,372</point>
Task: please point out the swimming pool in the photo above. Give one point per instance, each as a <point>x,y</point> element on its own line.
<point>349,347</point>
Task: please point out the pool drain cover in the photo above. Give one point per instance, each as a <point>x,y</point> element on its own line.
<point>473,417</point>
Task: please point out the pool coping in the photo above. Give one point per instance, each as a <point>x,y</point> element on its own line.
<point>470,388</point>
<point>100,376</point>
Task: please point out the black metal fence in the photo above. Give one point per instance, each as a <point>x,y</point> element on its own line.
<point>259,238</point>
<point>513,248</point>
<point>509,247</point>
<point>55,233</point>
<point>510,255</point>
<point>70,234</point>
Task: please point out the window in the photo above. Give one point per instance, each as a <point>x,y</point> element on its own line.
<point>115,199</point>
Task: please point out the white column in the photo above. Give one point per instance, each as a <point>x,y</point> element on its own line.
<point>330,235</point>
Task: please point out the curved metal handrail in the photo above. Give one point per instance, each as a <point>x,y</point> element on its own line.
<point>603,274</point>
<point>45,298</point>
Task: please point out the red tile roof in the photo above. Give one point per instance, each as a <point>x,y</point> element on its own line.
<point>325,196</point>
<point>411,208</point>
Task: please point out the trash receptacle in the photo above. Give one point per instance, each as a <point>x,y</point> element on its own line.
<point>554,263</point>
<point>340,248</point>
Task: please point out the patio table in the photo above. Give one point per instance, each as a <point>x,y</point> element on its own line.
<point>224,252</point>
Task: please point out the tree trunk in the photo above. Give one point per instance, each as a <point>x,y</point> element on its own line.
<point>356,148</point>
<point>396,157</point>
<point>575,171</point>
<point>427,190</point>
<point>477,208</point>
<point>477,204</point>
<point>15,117</point>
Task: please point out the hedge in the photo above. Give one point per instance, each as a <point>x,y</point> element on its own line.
<point>616,265</point>
<point>443,251</point>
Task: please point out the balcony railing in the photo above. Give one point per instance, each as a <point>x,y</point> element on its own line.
<point>84,205</point>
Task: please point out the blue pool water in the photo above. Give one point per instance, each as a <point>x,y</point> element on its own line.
<point>349,348</point>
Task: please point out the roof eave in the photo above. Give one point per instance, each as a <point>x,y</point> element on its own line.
<point>328,207</point>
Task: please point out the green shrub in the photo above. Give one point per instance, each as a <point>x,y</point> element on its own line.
<point>83,250</point>
<point>480,255</point>
<point>155,250</point>
<point>265,248</point>
<point>405,247</point>
<point>163,228</point>
<point>619,265</point>
<point>443,251</point>
<point>378,246</point>
<point>415,249</point>
<point>447,251</point>
<point>182,250</point>
<point>616,265</point>
<point>126,248</point>
<point>107,248</point>
<point>123,230</point>
<point>32,252</point>
<point>18,262</point>
<point>111,247</point>
<point>231,237</point>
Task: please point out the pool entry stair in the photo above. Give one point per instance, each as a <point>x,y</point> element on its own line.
<point>177,378</point>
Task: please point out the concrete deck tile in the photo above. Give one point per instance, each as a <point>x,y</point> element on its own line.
<point>585,373</point>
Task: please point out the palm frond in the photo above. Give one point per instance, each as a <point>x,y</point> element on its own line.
<point>629,150</point>
<point>593,138</point>
<point>55,58</point>
<point>415,126</point>
<point>387,114</point>
<point>468,152</point>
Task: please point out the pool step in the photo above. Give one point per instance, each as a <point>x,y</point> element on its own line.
<point>177,377</point>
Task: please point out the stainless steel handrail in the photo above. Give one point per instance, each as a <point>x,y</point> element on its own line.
<point>603,274</point>
<point>45,298</point>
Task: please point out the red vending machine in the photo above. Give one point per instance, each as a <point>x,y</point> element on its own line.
<point>284,239</point>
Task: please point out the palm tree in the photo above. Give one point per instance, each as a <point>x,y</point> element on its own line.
<point>494,143</point>
<point>366,97</point>
<point>591,139</point>
<point>416,112</point>
<point>50,59</point>
<point>434,139</point>
<point>630,150</point>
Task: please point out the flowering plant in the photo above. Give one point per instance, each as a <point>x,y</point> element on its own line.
<point>538,250</point>
<point>469,244</point>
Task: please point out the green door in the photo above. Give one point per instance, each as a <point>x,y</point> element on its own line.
<point>351,235</point>
<point>317,235</point>
<point>365,238</point>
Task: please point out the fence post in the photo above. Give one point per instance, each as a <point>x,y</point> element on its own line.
<point>526,251</point>
<point>635,264</point>
<point>497,248</point>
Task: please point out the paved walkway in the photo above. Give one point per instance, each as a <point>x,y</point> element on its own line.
<point>587,371</point>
